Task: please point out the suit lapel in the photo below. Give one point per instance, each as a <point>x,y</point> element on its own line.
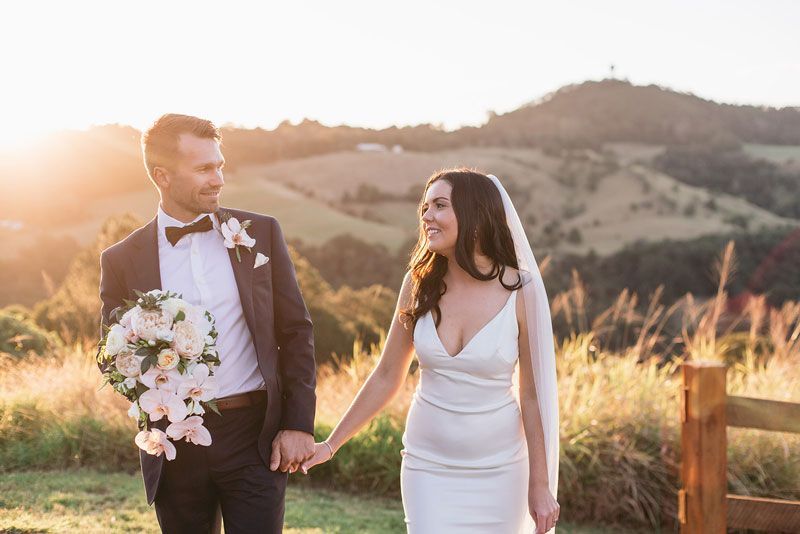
<point>145,261</point>
<point>243,273</point>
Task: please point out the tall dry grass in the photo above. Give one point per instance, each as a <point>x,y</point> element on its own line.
<point>618,390</point>
<point>54,415</point>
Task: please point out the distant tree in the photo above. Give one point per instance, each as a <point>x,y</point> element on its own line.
<point>73,311</point>
<point>574,236</point>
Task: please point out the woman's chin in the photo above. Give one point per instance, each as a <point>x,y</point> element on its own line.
<point>437,249</point>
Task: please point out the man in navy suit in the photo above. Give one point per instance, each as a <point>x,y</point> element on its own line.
<point>267,374</point>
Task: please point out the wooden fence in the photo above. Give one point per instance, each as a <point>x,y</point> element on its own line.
<point>704,505</point>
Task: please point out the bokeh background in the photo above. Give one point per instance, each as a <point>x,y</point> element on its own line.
<point>652,151</point>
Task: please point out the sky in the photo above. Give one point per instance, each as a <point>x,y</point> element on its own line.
<point>374,64</point>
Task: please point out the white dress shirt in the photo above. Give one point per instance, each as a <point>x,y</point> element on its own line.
<point>198,268</point>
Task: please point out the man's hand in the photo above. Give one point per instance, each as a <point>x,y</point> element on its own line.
<point>290,448</point>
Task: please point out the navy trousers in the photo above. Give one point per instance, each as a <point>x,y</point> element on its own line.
<point>229,474</point>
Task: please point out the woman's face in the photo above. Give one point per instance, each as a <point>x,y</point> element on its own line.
<point>438,218</point>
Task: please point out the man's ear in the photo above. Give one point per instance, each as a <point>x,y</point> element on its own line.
<point>161,177</point>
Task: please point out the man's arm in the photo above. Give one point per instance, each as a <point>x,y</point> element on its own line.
<point>112,294</point>
<point>294,333</point>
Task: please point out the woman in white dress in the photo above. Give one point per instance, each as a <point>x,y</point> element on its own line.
<point>472,305</point>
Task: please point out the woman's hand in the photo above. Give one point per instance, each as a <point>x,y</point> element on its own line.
<point>543,508</point>
<point>322,453</point>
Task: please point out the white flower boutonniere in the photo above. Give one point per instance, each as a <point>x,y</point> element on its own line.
<point>235,234</point>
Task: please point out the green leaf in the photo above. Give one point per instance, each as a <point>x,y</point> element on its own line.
<point>145,365</point>
<point>238,255</point>
<point>211,405</point>
<point>180,316</point>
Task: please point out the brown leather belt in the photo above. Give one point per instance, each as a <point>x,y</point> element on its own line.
<point>242,400</point>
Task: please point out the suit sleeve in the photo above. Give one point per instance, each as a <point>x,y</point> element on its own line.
<point>295,338</point>
<point>112,294</point>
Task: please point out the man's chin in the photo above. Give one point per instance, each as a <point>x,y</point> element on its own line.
<point>209,206</point>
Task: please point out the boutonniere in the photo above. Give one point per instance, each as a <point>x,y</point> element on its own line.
<point>235,233</point>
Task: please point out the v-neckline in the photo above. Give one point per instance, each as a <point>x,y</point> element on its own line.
<point>475,335</point>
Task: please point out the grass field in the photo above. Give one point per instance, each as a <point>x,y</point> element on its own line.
<point>90,502</point>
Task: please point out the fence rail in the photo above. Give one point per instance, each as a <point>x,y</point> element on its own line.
<point>704,506</point>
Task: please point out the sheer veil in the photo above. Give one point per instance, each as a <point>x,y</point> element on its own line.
<point>540,337</point>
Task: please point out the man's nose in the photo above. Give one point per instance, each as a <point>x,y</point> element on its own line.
<point>218,180</point>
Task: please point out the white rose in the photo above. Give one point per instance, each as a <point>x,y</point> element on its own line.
<point>187,342</point>
<point>128,363</point>
<point>128,315</point>
<point>130,383</point>
<point>165,335</point>
<point>133,411</point>
<point>115,340</point>
<point>174,305</point>
<point>149,323</point>
<point>168,359</point>
<point>203,324</point>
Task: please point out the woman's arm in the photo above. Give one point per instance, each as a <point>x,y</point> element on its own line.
<point>542,505</point>
<point>380,388</point>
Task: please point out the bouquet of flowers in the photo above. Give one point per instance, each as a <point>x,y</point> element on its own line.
<point>161,355</point>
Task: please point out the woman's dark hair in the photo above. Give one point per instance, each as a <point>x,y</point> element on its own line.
<point>481,221</point>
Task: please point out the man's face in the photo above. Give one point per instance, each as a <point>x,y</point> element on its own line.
<point>193,184</point>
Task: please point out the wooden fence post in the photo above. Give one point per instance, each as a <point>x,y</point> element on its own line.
<point>702,502</point>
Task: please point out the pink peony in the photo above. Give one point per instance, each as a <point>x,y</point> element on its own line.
<point>148,323</point>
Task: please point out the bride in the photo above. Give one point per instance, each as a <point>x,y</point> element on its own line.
<point>475,458</point>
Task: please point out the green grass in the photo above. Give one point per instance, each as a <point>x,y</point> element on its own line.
<point>90,502</point>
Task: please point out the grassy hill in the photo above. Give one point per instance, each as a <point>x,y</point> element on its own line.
<point>608,199</point>
<point>571,202</point>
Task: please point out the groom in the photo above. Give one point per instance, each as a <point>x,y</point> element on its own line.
<point>266,377</point>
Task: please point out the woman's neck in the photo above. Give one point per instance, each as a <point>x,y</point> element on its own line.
<point>459,276</point>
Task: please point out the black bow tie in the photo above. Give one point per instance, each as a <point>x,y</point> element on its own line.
<point>175,233</point>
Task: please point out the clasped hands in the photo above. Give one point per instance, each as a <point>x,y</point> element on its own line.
<point>290,449</point>
<point>294,449</point>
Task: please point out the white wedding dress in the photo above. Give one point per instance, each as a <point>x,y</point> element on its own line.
<point>465,459</point>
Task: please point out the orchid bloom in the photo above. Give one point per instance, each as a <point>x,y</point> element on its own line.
<point>159,403</point>
<point>155,442</point>
<point>199,386</point>
<point>192,429</point>
<point>166,379</point>
<point>235,235</point>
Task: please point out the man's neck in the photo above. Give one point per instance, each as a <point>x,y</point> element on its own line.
<point>179,214</point>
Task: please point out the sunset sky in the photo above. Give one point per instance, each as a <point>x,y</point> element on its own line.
<point>73,64</point>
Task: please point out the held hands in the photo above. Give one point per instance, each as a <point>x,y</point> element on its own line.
<point>543,508</point>
<point>290,448</point>
<point>322,453</point>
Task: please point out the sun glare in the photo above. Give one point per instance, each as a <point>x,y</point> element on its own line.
<point>21,136</point>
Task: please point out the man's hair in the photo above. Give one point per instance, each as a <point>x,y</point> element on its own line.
<point>160,141</point>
